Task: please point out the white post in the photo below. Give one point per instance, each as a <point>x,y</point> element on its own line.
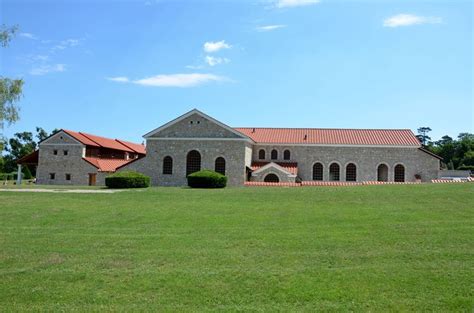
<point>18,178</point>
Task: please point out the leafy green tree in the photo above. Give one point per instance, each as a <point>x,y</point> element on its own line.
<point>423,135</point>
<point>10,89</point>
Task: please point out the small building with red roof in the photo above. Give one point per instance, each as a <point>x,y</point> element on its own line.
<point>77,158</point>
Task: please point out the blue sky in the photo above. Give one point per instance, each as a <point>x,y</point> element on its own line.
<point>123,68</point>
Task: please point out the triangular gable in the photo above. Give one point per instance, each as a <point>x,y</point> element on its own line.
<point>181,127</point>
<point>61,137</point>
<point>274,166</point>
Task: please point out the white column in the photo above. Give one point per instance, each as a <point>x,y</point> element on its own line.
<point>18,179</point>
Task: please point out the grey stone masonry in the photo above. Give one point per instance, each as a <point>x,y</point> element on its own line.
<point>60,157</point>
<point>366,159</point>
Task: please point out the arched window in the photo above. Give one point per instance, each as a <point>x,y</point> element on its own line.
<point>261,154</point>
<point>382,172</point>
<point>167,165</point>
<point>334,172</point>
<point>220,165</point>
<point>286,155</point>
<point>193,162</point>
<point>271,178</point>
<point>399,173</point>
<point>351,172</point>
<point>274,154</point>
<point>317,171</point>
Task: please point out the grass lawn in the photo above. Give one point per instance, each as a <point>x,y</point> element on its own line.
<point>363,248</point>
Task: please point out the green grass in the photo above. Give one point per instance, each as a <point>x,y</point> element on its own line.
<point>364,248</point>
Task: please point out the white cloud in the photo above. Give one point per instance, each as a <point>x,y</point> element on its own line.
<point>195,67</point>
<point>119,79</point>
<point>173,80</point>
<point>28,35</point>
<point>45,69</point>
<point>410,19</point>
<point>179,80</point>
<point>212,61</point>
<point>294,3</point>
<point>210,46</point>
<point>269,28</point>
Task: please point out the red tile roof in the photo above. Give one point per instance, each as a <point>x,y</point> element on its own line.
<point>289,166</point>
<point>81,138</point>
<point>107,165</point>
<point>107,142</point>
<point>138,148</point>
<point>98,141</point>
<point>389,137</point>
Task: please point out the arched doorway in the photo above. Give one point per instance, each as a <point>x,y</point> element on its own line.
<point>193,162</point>
<point>317,171</point>
<point>334,174</point>
<point>382,172</point>
<point>271,178</point>
<point>399,173</point>
<point>351,172</point>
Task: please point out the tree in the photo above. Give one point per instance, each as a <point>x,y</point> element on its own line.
<point>423,135</point>
<point>10,89</point>
<point>41,134</point>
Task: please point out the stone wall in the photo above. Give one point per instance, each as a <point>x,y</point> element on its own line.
<point>196,126</point>
<point>61,164</point>
<point>152,165</point>
<point>366,159</point>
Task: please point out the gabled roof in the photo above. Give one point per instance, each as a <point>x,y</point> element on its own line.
<point>107,165</point>
<point>81,138</point>
<point>103,142</point>
<point>290,167</point>
<point>138,148</point>
<point>283,167</point>
<point>195,111</point>
<point>379,137</point>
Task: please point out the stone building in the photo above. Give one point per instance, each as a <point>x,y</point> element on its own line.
<point>197,141</point>
<point>76,158</point>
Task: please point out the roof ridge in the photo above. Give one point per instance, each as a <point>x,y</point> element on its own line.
<point>302,128</point>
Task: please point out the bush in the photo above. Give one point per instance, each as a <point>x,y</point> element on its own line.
<point>127,180</point>
<point>206,179</point>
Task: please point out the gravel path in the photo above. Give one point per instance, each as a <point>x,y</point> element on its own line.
<point>62,190</point>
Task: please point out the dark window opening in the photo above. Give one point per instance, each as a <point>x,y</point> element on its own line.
<point>65,152</point>
<point>399,174</point>
<point>261,154</point>
<point>334,170</point>
<point>193,162</point>
<point>55,152</point>
<point>286,155</point>
<point>317,171</point>
<point>220,165</point>
<point>271,178</point>
<point>382,172</point>
<point>68,176</point>
<point>274,154</point>
<point>167,165</point>
<point>52,175</point>
<point>351,172</point>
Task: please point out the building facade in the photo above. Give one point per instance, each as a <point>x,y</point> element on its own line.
<point>197,141</point>
<point>76,158</point>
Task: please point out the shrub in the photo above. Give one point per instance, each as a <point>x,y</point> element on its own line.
<point>127,180</point>
<point>207,179</point>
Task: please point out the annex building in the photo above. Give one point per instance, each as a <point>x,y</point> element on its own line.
<point>196,141</point>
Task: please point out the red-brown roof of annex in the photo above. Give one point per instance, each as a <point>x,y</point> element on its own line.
<point>98,141</point>
<point>380,137</point>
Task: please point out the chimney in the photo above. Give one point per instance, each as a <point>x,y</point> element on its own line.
<point>253,130</point>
